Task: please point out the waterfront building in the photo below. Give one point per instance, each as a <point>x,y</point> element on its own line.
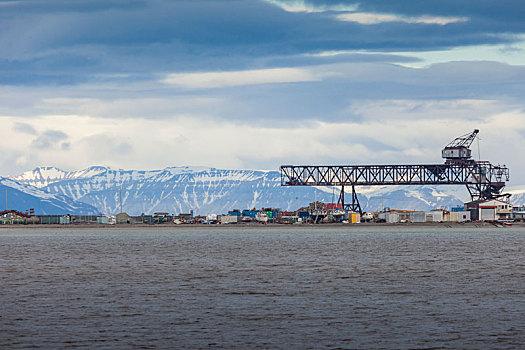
<point>401,216</point>
<point>457,214</point>
<point>123,218</point>
<point>518,213</point>
<point>490,210</point>
<point>13,217</point>
<point>229,219</point>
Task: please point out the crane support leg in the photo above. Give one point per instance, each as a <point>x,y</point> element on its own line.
<point>342,197</point>
<point>354,206</point>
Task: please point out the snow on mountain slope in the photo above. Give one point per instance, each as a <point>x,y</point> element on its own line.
<point>518,195</point>
<point>209,190</point>
<point>203,191</point>
<point>43,176</point>
<point>412,197</point>
<point>22,197</point>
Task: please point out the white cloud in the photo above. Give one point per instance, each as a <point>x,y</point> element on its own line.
<point>375,18</point>
<point>388,132</point>
<point>129,107</point>
<point>302,6</point>
<point>208,80</point>
<point>506,53</point>
<point>155,125</point>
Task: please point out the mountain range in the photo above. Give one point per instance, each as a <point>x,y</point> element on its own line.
<point>23,197</point>
<point>204,190</point>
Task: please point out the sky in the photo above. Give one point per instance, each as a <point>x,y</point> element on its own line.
<point>254,84</point>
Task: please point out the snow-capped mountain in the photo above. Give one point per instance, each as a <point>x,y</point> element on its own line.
<point>43,176</point>
<point>210,190</point>
<point>176,190</point>
<point>23,197</point>
<point>412,197</point>
<point>517,195</point>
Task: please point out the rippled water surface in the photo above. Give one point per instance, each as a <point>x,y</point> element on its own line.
<point>263,288</point>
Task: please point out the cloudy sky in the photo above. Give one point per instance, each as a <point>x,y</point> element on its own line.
<point>258,83</point>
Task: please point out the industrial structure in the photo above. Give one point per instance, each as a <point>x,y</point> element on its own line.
<point>483,180</point>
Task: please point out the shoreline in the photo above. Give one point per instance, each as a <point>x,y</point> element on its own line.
<point>252,226</point>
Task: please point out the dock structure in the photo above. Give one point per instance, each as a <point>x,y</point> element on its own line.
<point>482,179</point>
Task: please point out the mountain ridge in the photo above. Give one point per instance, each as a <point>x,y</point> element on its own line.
<point>23,197</point>
<point>211,190</point>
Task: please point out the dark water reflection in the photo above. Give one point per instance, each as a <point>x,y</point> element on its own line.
<point>257,288</point>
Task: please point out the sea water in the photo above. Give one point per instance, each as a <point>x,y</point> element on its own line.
<point>249,288</point>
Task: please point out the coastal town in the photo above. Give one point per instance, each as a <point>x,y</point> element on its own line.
<point>262,174</point>
<point>266,196</point>
<point>490,211</point>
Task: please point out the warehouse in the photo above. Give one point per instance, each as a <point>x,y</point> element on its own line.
<point>490,210</point>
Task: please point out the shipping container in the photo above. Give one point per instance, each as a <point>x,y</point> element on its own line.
<point>304,214</point>
<point>250,213</point>
<point>354,218</point>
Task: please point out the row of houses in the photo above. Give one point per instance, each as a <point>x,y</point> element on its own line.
<point>315,213</point>
<point>493,210</point>
<point>414,216</point>
<point>483,210</point>
<point>17,217</point>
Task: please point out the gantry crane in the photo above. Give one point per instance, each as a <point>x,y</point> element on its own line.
<point>482,179</point>
<point>458,150</point>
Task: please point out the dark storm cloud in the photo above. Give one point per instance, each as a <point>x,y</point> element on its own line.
<point>68,42</point>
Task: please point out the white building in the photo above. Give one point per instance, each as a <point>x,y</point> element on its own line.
<point>443,215</point>
<point>490,210</point>
<point>438,215</point>
<point>402,216</point>
<point>229,219</point>
<point>518,213</point>
<point>458,216</point>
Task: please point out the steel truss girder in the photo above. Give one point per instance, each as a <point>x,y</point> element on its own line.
<point>483,180</point>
